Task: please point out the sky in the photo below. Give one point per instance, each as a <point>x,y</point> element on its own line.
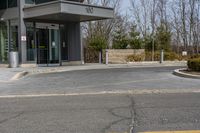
<point>125,6</point>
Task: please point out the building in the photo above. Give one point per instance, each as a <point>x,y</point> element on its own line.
<point>46,32</point>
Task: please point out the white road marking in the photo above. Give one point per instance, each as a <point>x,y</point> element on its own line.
<point>126,92</point>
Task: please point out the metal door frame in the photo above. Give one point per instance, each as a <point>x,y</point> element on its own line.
<point>49,26</point>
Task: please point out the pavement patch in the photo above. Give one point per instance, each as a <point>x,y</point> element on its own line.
<point>19,75</point>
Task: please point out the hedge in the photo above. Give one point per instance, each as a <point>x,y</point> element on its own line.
<point>135,58</point>
<point>168,56</point>
<point>194,64</point>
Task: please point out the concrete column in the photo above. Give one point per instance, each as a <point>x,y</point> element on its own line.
<point>22,33</point>
<point>74,41</point>
<point>82,47</point>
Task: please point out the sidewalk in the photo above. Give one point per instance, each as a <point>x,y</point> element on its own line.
<point>9,74</point>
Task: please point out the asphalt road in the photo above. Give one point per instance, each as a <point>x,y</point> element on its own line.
<point>147,99</point>
<point>87,81</point>
<point>100,113</point>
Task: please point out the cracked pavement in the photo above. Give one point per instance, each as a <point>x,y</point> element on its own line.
<point>107,113</point>
<point>148,99</point>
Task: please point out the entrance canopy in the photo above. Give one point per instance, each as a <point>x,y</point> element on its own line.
<point>67,11</point>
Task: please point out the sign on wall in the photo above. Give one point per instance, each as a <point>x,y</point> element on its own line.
<point>90,9</point>
<point>23,38</point>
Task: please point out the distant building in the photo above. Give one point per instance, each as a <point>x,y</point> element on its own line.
<point>45,32</point>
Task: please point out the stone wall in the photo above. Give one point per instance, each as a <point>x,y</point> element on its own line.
<point>119,56</point>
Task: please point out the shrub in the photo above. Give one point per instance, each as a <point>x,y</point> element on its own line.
<point>195,56</point>
<point>168,56</point>
<point>98,43</point>
<point>148,56</point>
<point>171,56</point>
<point>135,58</point>
<point>194,64</point>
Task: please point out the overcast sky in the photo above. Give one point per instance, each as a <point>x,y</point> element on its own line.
<point>125,6</point>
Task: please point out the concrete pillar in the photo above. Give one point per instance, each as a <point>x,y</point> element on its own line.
<point>22,33</point>
<point>74,41</point>
<point>82,47</point>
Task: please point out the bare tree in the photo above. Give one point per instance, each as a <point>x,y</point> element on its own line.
<point>103,28</point>
<point>176,26</point>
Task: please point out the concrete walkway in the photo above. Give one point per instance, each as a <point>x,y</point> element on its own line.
<point>9,74</point>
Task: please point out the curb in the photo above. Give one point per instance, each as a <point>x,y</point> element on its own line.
<point>19,75</point>
<point>178,72</point>
<point>103,67</point>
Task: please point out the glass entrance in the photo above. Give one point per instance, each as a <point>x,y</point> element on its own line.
<point>54,46</point>
<point>42,44</point>
<point>48,46</point>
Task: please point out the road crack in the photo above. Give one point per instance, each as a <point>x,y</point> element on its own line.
<point>113,113</point>
<point>133,115</point>
<point>11,118</point>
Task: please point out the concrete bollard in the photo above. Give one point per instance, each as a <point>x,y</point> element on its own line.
<point>100,57</point>
<point>161,56</point>
<point>106,57</point>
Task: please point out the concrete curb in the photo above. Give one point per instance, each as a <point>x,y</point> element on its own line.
<point>19,75</point>
<point>185,75</point>
<point>60,70</point>
<point>109,66</point>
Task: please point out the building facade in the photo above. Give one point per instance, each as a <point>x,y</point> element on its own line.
<point>45,32</point>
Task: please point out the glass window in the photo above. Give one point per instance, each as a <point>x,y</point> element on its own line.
<point>3,42</point>
<point>14,38</point>
<point>12,3</point>
<point>3,4</point>
<point>42,1</point>
<point>29,1</point>
<point>30,42</point>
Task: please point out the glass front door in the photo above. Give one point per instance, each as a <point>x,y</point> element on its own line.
<point>54,46</point>
<point>48,46</point>
<point>42,44</point>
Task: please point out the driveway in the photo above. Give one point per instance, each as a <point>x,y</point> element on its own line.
<point>120,100</point>
<point>151,79</point>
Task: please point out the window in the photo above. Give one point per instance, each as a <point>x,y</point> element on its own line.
<point>8,4</point>
<point>30,42</point>
<point>29,1</point>
<point>42,1</point>
<point>3,4</point>
<point>3,42</point>
<point>12,3</point>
